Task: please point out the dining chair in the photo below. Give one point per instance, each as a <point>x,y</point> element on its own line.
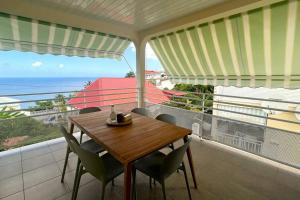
<point>141,111</point>
<point>85,111</point>
<point>89,145</point>
<point>160,166</point>
<point>104,168</point>
<point>168,119</point>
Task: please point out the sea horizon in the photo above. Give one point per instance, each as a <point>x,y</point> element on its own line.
<point>25,85</point>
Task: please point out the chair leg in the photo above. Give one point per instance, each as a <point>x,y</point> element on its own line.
<point>103,191</point>
<point>77,169</point>
<point>65,165</point>
<point>150,182</point>
<point>81,134</point>
<point>172,146</point>
<point>163,189</point>
<point>77,183</point>
<point>186,181</point>
<point>113,182</point>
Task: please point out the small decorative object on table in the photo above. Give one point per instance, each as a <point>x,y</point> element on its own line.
<point>121,120</point>
<point>113,115</point>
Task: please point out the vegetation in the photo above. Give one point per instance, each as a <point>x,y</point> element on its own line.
<point>23,131</point>
<point>88,83</point>
<point>61,102</point>
<point>7,115</point>
<point>30,129</point>
<point>193,100</point>
<point>42,105</point>
<point>130,74</point>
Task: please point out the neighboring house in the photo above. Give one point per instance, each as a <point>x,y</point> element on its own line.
<point>160,79</point>
<point>283,145</point>
<point>164,84</point>
<point>13,104</point>
<point>151,74</point>
<point>268,141</point>
<point>115,91</point>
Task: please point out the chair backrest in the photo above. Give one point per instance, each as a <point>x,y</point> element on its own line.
<point>166,118</point>
<point>69,137</point>
<point>173,160</point>
<point>89,110</point>
<point>90,161</point>
<point>141,111</point>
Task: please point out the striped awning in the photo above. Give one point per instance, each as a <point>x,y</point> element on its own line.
<point>257,48</point>
<point>24,34</point>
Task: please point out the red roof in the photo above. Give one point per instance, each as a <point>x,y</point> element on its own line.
<point>113,91</point>
<point>176,93</point>
<point>151,72</point>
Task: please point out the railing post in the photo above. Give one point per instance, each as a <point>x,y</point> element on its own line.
<point>203,101</point>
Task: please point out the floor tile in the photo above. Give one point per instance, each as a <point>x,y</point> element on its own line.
<point>61,154</point>
<point>17,196</point>
<point>50,189</point>
<point>37,162</point>
<point>10,170</point>
<point>72,163</point>
<point>40,175</point>
<point>58,145</point>
<point>70,176</point>
<point>11,186</point>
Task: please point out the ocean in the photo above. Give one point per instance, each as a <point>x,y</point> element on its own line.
<point>38,85</point>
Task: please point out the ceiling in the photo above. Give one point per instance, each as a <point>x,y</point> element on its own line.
<point>138,14</point>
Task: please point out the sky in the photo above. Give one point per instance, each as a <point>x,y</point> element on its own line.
<point>27,64</point>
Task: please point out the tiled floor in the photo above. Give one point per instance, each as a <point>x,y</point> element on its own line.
<point>34,172</point>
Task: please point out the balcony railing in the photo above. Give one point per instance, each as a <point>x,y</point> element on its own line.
<point>246,126</point>
<point>36,117</point>
<point>241,122</point>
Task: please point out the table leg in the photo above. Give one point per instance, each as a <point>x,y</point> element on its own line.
<point>71,128</point>
<point>127,181</point>
<point>189,154</point>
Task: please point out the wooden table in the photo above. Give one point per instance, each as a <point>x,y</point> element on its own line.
<point>129,143</point>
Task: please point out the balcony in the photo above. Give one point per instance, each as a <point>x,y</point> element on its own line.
<point>241,150</point>
<point>222,173</point>
<point>227,166</point>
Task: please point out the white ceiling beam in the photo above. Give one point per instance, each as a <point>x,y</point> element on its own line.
<point>45,13</point>
<point>218,11</point>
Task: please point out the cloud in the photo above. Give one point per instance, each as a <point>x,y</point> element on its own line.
<point>61,65</point>
<point>132,47</point>
<point>37,64</point>
<point>149,51</point>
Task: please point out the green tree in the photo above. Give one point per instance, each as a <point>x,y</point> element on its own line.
<point>61,102</point>
<point>194,100</point>
<point>42,105</point>
<point>130,74</point>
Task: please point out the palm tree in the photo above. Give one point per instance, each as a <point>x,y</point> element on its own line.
<point>87,83</point>
<point>7,113</point>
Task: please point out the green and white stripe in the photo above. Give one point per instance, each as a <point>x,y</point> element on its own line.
<point>24,34</point>
<point>257,48</point>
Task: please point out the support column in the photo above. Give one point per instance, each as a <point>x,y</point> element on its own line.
<point>140,46</point>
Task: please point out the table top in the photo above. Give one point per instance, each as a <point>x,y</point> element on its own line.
<point>131,142</point>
